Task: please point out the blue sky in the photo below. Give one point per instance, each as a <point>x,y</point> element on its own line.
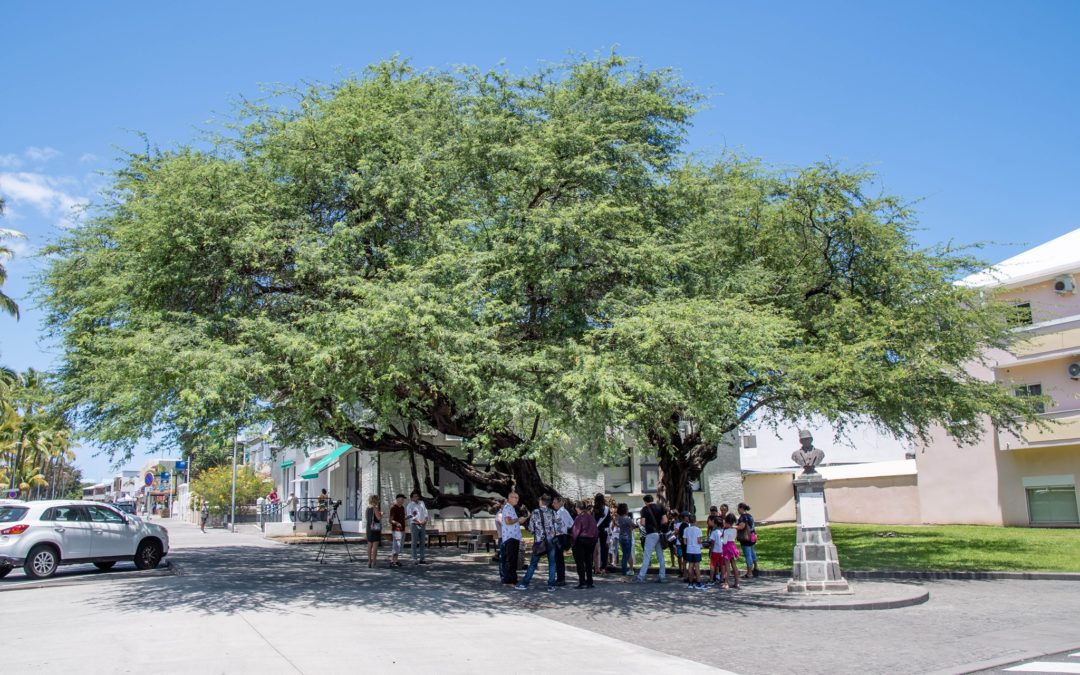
<point>968,107</point>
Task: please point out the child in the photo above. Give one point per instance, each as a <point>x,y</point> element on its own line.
<point>729,553</point>
<point>692,553</point>
<point>716,546</point>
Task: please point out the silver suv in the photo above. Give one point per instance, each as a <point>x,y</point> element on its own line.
<point>39,536</point>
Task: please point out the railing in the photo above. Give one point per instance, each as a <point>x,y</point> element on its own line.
<point>1064,430</point>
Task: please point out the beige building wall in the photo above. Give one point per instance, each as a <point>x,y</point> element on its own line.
<point>891,500</point>
<point>1031,463</point>
<point>771,496</point>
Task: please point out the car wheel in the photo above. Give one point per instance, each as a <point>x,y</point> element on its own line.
<point>5,570</point>
<point>42,562</point>
<point>105,566</point>
<point>148,555</point>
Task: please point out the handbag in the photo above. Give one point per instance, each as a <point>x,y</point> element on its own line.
<point>752,539</point>
<point>374,525</point>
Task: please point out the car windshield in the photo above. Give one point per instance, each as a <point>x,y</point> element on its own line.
<point>11,514</point>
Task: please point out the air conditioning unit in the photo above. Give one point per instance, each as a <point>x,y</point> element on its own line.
<point>1064,284</point>
<point>1074,370</point>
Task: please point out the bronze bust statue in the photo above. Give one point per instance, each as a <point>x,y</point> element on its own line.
<point>807,456</point>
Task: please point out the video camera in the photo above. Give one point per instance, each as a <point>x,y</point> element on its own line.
<point>335,503</point>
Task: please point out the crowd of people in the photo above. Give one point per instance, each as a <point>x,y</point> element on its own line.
<point>601,536</point>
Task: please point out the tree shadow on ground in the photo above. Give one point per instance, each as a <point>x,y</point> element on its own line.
<point>231,579</point>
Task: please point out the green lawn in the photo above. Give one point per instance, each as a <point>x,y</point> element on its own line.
<point>934,548</point>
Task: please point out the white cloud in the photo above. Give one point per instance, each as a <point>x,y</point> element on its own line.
<point>10,162</point>
<point>46,194</point>
<point>36,154</point>
<point>88,157</point>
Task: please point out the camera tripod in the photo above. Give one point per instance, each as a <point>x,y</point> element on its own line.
<point>320,557</point>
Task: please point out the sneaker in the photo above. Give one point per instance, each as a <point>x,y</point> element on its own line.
<point>700,586</point>
<point>638,580</point>
<point>690,585</point>
<point>661,580</point>
<point>552,588</point>
<point>629,573</point>
<point>519,587</point>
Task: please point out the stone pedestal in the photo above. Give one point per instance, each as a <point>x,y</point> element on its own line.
<point>816,567</point>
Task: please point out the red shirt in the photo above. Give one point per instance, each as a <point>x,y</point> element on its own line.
<point>397,518</point>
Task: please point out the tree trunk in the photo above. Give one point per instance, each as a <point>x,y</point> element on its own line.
<point>675,482</point>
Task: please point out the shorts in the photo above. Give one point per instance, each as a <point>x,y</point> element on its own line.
<point>693,557</point>
<point>715,559</point>
<point>397,541</point>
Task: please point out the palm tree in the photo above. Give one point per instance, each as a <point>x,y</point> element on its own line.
<point>7,304</point>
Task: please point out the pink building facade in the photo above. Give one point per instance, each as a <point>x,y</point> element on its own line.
<point>1031,478</point>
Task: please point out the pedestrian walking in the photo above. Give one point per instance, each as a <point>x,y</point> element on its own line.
<point>397,529</point>
<point>204,515</point>
<point>373,527</point>
<point>500,545</point>
<point>511,531</point>
<point>583,538</point>
<point>542,523</point>
<point>654,520</point>
<point>416,514</point>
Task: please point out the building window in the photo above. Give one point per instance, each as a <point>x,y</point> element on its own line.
<point>749,441</point>
<point>354,508</point>
<point>650,478</point>
<point>448,482</point>
<point>1031,390</point>
<point>1052,505</point>
<point>1021,315</point>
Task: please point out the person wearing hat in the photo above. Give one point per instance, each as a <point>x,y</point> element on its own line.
<point>807,456</point>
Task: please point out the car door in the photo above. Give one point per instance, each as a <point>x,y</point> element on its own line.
<point>112,534</point>
<point>71,525</point>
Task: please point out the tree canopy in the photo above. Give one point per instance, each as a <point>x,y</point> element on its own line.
<point>521,261</point>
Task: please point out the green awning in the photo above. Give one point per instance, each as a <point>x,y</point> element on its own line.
<point>287,463</point>
<point>319,466</point>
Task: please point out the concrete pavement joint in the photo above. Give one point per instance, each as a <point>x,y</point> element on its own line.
<point>271,644</point>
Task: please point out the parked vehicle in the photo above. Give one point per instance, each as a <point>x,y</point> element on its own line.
<point>40,536</point>
<point>125,507</point>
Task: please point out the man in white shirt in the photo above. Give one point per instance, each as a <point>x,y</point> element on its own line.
<point>566,522</point>
<point>511,533</point>
<point>416,514</point>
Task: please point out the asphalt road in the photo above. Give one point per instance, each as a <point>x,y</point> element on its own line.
<point>237,603</point>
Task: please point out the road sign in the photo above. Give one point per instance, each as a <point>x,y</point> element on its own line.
<point>181,465</point>
<point>13,494</point>
<point>165,476</point>
<point>148,478</point>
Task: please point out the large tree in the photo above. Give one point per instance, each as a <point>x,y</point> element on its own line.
<point>522,262</point>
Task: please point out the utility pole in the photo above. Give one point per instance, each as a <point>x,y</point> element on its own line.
<point>232,517</point>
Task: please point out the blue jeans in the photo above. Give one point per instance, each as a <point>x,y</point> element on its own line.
<point>625,548</point>
<point>418,536</point>
<point>502,560</point>
<point>750,556</point>
<point>535,561</point>
<point>652,543</point>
